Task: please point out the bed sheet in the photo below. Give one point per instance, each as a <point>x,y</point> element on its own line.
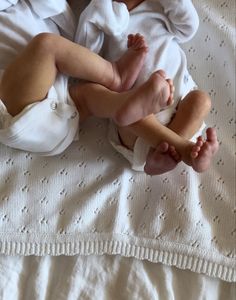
<point>106,278</point>
<point>26,178</point>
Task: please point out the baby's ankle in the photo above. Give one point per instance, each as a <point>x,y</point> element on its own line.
<point>186,152</point>
<point>116,81</point>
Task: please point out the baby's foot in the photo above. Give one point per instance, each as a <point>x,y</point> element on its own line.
<point>161,160</point>
<point>128,67</point>
<point>172,90</point>
<point>171,85</point>
<point>203,151</point>
<point>149,98</point>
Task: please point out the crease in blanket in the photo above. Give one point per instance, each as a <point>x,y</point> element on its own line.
<point>87,200</point>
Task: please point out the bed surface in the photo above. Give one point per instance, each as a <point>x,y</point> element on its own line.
<point>88,200</point>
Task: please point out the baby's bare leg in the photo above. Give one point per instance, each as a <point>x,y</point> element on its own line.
<point>31,75</point>
<point>191,113</point>
<point>126,107</point>
<point>189,117</point>
<point>154,133</point>
<point>162,159</point>
<point>196,155</point>
<point>187,121</point>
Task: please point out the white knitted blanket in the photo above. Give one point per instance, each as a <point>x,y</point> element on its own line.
<point>88,200</point>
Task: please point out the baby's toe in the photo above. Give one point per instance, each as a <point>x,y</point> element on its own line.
<point>162,73</point>
<point>194,154</point>
<point>130,40</point>
<point>171,99</point>
<point>199,142</point>
<point>196,148</point>
<point>211,134</point>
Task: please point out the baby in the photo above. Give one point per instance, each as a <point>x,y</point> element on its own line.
<point>165,24</point>
<point>37,112</point>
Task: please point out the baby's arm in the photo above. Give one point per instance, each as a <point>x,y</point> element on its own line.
<point>183,18</point>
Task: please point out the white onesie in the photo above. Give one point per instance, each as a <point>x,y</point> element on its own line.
<point>165,24</point>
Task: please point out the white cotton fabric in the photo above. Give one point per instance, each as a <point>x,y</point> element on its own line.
<point>7,3</point>
<point>103,277</point>
<point>88,201</point>
<point>46,128</point>
<point>100,18</point>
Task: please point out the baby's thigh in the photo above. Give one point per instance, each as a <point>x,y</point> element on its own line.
<point>28,78</point>
<point>197,102</point>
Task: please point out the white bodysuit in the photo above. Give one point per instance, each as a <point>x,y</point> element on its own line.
<point>165,24</point>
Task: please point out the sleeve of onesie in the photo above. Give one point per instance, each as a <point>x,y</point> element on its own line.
<point>99,18</point>
<point>183,18</point>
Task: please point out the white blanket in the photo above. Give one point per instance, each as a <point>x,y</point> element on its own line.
<point>88,201</point>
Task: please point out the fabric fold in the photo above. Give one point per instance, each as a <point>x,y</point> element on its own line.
<point>5,4</point>
<point>100,18</point>
<point>48,8</point>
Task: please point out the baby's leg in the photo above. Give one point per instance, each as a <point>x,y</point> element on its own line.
<point>124,108</point>
<point>154,133</point>
<point>191,113</point>
<point>162,157</point>
<point>160,160</point>
<point>189,117</point>
<point>31,75</point>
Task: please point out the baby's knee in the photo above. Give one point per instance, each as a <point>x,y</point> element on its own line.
<point>44,43</point>
<point>200,100</point>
